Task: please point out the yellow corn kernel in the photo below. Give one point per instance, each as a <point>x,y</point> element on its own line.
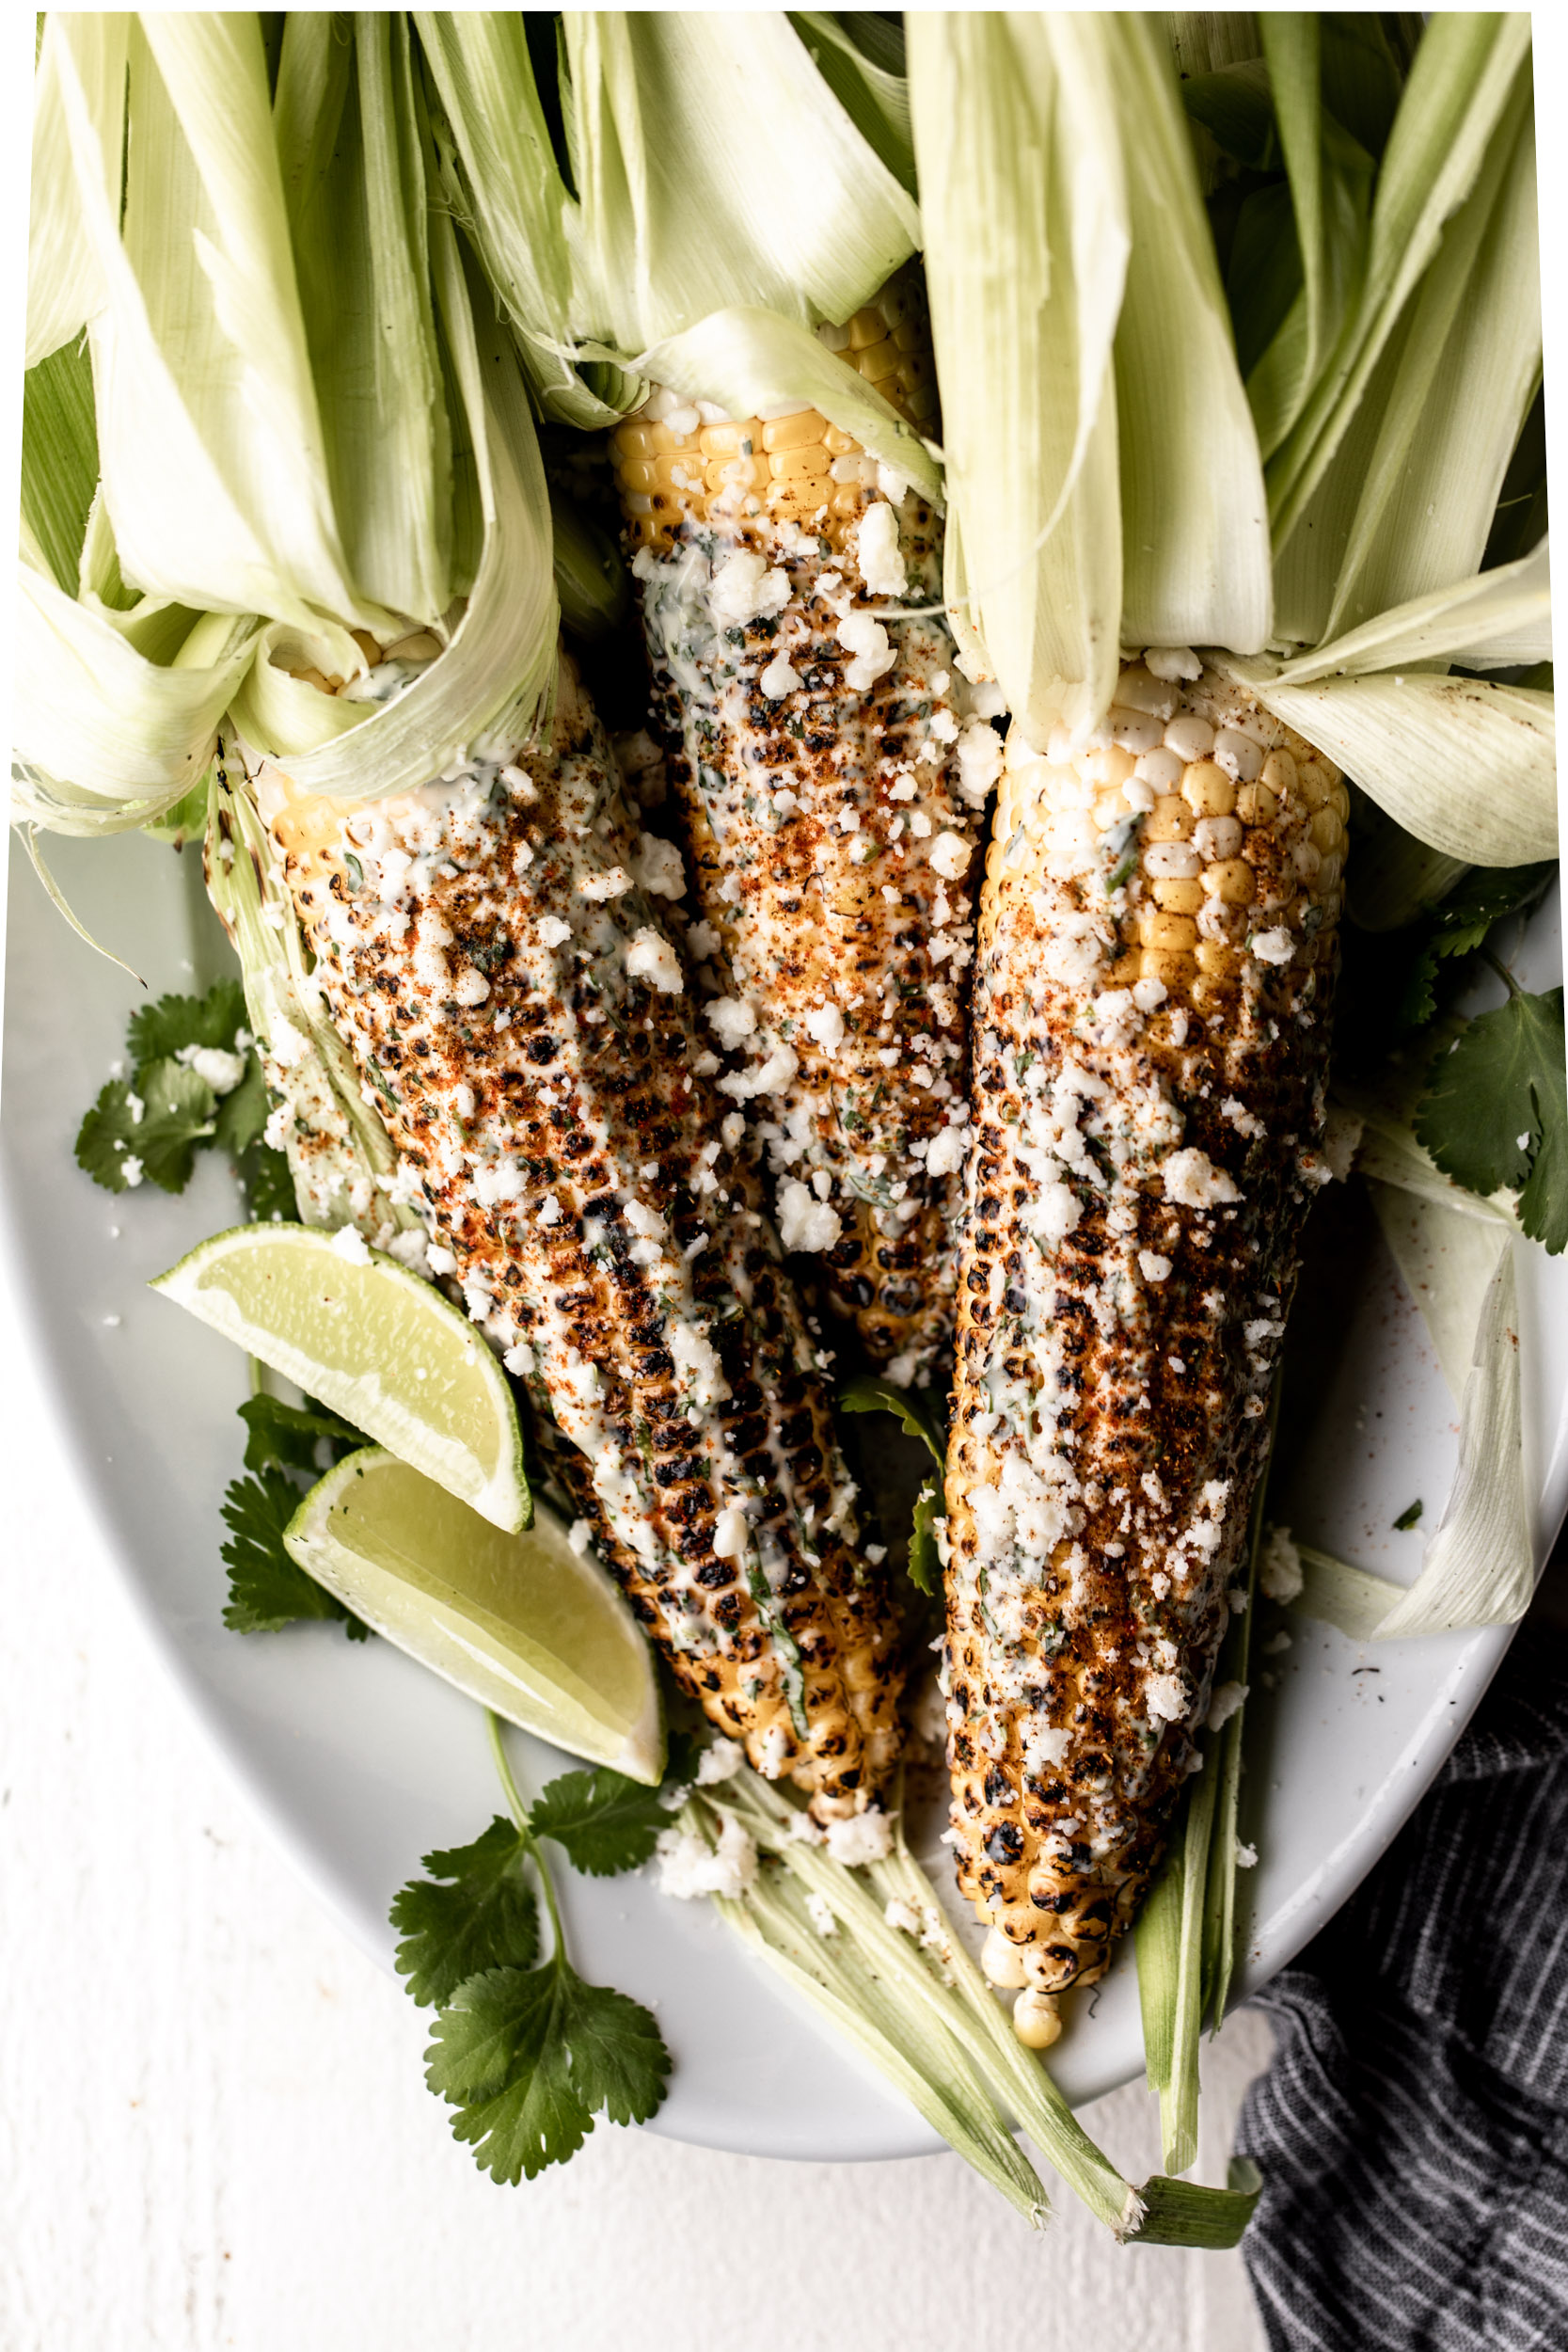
<point>1111,766</point>
<point>1216,960</point>
<point>1278,772</point>
<point>1172,932</point>
<point>798,465</point>
<point>1178,895</point>
<point>1232,881</point>
<point>866,328</point>
<point>1327,832</point>
<point>1330,871</point>
<point>1110,808</point>
<point>878,361</point>
<point>1208,790</point>
<point>1338,800</point>
<point>1167,964</point>
<point>1256,804</point>
<point>1316,783</point>
<point>837,443</point>
<point>803,430</point>
<point>1169,819</point>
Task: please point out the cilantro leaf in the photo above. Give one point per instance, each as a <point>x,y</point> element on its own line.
<point>241,1115</point>
<point>1487,894</point>
<point>865,1395</point>
<point>925,1563</point>
<point>530,2056</point>
<point>1495,1115</point>
<point>155,1126</point>
<point>160,1031</point>
<point>1409,1516</point>
<point>288,1437</point>
<point>474,1912</point>
<point>269,1186</point>
<point>605,1821</point>
<point>266,1589</point>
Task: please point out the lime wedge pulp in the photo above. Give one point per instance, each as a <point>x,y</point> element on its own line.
<point>380,1347</point>
<point>521,1622</point>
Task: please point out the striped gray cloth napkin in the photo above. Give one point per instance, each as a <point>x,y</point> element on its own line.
<point>1413,2128</point>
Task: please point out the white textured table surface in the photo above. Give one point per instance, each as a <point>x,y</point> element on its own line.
<point>213,2130</point>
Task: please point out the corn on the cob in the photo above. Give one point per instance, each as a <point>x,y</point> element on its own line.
<point>1152,1007</point>
<point>831,768</point>
<point>490,952</point>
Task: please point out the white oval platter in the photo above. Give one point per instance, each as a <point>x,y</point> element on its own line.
<point>360,1761</point>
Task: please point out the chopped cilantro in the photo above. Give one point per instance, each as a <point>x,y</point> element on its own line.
<point>268,1186</point>
<point>605,1822</point>
<point>1409,1516</point>
<point>1494,1116</point>
<point>925,1563</point>
<point>175,1024</point>
<point>266,1589</point>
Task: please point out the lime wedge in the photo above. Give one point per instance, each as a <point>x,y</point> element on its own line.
<point>521,1622</point>
<point>380,1347</point>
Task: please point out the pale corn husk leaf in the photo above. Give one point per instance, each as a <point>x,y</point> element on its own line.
<point>486,691</point>
<point>65,284</point>
<point>501,176</point>
<point>1331,184</point>
<point>1389,1156</point>
<point>717,169</point>
<point>209,442</point>
<point>351,139</point>
<point>1479,1567</point>
<point>873,90</point>
<point>1025,206</point>
<point>1196,555</point>
<point>1202,40</point>
<point>753,362</point>
<point>89,703</point>
<point>1489,620</point>
<point>1466,764</point>
<point>1469,365</point>
<point>1447,1257</point>
<point>1463,75</point>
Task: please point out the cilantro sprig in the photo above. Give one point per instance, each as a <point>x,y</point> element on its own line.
<point>1494,1116</point>
<point>524,2050</point>
<point>184,1096</point>
<point>267,1590</point>
<point>864,1394</point>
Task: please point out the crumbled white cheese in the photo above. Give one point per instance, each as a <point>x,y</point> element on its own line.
<point>581,1537</point>
<point>864,1837</point>
<point>946,1154</point>
<point>553,931</point>
<point>872,649</point>
<point>731,1533</point>
<point>549,1210</point>
<point>820,1912</point>
<point>979,753</point>
<point>743,589</point>
<point>730,1019</point>
<point>471,987</point>
<point>656,865</point>
<point>825,1022</point>
<point>779,677</point>
<point>719,1760</point>
<point>950,855</point>
<point>805,1222</point>
<point>1245,1121</point>
<point>1279,1568</point>
<point>899,1913</point>
<point>650,957</point>
<point>1226,1702</point>
<point>348,1243</point>
<point>439,1258</point>
<point>613,883</point>
<point>1275,947</point>
<point>1166,1698</point>
<point>519,1360</point>
<point>702,940</point>
<point>688,1865</point>
<point>695,1354</point>
<point>878,553</point>
<point>1191,1179</point>
<point>1154,1267</point>
<point>1172,663</point>
<point>220,1071</point>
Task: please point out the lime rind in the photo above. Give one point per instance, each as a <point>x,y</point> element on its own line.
<point>352,1299</point>
<point>518,1620</point>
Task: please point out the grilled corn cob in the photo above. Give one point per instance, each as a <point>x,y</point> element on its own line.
<point>1152,1006</point>
<point>489,949</point>
<point>831,768</point>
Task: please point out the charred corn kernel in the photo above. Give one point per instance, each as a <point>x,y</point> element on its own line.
<point>1180,896</point>
<point>1118,1322</point>
<point>1170,819</point>
<point>527,1038</point>
<point>836,899</point>
<point>1258,803</point>
<point>1208,790</point>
